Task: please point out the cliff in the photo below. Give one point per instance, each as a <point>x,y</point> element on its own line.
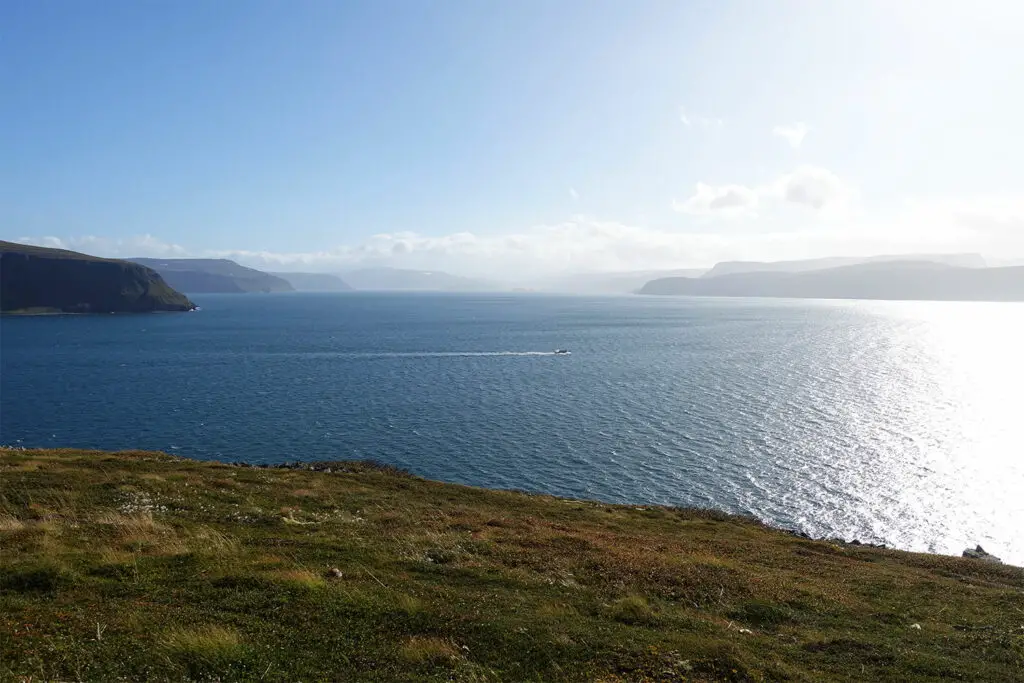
<point>39,280</point>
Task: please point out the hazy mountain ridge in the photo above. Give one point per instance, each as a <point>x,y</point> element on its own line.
<point>315,282</point>
<point>39,279</point>
<point>400,279</point>
<point>799,266</point>
<point>626,282</point>
<point>899,280</point>
<point>214,276</point>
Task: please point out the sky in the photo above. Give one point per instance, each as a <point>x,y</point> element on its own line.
<point>512,139</point>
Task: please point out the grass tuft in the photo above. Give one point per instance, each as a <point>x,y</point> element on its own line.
<point>632,609</point>
<point>204,648</point>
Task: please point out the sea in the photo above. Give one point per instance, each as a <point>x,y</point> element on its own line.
<point>899,423</point>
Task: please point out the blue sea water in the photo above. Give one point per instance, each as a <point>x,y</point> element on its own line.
<point>888,422</point>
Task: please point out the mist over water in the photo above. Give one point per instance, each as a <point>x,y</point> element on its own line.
<point>882,421</point>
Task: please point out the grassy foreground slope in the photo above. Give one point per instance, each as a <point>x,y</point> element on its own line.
<point>144,566</point>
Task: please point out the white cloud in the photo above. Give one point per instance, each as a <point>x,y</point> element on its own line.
<point>689,120</point>
<point>127,247</point>
<point>727,201</point>
<point>793,134</point>
<point>991,225</point>
<point>809,186</point>
<point>574,194</point>
<point>814,187</point>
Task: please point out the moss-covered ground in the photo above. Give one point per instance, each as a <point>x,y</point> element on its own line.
<point>142,566</point>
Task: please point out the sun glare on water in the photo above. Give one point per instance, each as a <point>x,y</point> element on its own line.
<point>957,380</point>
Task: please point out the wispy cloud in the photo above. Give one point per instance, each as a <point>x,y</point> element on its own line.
<point>793,134</point>
<point>691,120</point>
<point>574,194</point>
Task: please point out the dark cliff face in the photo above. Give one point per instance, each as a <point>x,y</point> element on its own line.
<point>35,279</point>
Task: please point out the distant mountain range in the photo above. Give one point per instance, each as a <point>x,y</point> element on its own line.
<point>611,282</point>
<point>896,280</point>
<point>314,282</point>
<point>398,279</point>
<point>40,280</point>
<point>920,276</point>
<point>733,267</point>
<point>197,276</point>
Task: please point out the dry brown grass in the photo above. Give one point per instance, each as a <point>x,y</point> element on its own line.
<point>11,523</point>
<point>208,540</point>
<point>112,556</point>
<point>430,650</point>
<point>135,522</point>
<point>557,610</point>
<point>267,561</point>
<point>302,578</point>
<point>139,532</point>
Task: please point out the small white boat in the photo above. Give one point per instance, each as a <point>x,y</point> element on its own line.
<point>561,352</point>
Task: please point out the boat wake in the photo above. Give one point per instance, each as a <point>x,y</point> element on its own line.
<point>443,354</point>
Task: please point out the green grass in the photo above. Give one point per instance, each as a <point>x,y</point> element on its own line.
<point>141,566</point>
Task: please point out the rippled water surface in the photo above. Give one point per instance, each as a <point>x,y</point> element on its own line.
<point>883,421</point>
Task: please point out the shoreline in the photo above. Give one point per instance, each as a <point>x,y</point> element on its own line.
<point>22,313</point>
<point>342,466</point>
<point>330,466</point>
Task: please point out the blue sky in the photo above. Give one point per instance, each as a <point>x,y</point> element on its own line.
<point>516,138</point>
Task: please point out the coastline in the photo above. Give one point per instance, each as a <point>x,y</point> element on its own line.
<point>330,466</point>
<point>31,313</point>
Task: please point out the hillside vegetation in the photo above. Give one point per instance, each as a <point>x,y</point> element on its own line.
<point>142,566</point>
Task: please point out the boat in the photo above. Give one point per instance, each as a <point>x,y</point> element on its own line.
<point>561,352</point>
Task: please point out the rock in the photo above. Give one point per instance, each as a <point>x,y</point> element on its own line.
<point>978,553</point>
